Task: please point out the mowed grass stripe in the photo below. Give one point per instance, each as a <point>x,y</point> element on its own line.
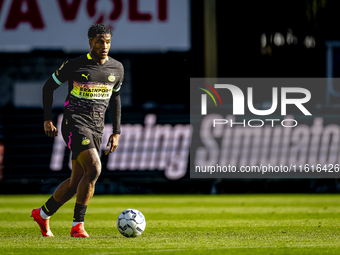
<point>289,225</point>
<point>207,200</point>
<point>334,223</point>
<point>196,209</point>
<point>184,217</point>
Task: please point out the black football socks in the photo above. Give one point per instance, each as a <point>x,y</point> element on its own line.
<point>79,213</point>
<point>51,206</point>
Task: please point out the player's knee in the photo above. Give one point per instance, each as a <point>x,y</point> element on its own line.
<point>94,171</point>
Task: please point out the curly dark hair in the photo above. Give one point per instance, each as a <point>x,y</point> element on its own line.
<point>96,29</point>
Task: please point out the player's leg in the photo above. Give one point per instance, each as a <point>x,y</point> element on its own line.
<point>68,188</point>
<point>61,195</point>
<point>90,162</point>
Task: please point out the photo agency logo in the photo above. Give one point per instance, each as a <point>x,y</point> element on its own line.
<point>204,98</point>
<point>261,128</point>
<point>238,104</point>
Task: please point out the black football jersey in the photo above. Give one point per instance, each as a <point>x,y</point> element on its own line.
<point>90,88</point>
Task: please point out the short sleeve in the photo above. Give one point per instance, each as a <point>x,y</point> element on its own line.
<point>62,74</point>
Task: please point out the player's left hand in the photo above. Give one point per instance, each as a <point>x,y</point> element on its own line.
<point>113,139</point>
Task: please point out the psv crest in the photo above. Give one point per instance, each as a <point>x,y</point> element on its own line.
<point>111,77</point>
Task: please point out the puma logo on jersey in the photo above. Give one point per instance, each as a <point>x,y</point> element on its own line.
<point>86,76</point>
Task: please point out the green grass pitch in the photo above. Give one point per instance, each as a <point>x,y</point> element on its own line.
<point>180,224</point>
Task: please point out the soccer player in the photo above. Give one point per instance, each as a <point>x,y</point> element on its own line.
<point>94,81</point>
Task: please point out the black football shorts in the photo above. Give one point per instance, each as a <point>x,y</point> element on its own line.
<point>79,139</point>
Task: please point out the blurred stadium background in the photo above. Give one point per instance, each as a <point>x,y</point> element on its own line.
<point>161,43</point>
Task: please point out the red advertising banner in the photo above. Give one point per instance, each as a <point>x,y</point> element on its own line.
<point>138,25</point>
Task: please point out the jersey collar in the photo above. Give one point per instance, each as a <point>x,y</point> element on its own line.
<point>89,57</point>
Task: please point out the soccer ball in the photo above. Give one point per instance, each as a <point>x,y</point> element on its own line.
<point>131,223</point>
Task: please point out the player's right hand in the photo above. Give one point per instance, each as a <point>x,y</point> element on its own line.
<point>50,129</point>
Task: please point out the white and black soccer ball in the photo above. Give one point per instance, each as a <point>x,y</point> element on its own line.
<point>131,223</point>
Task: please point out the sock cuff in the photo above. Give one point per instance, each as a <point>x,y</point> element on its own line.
<point>75,223</point>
